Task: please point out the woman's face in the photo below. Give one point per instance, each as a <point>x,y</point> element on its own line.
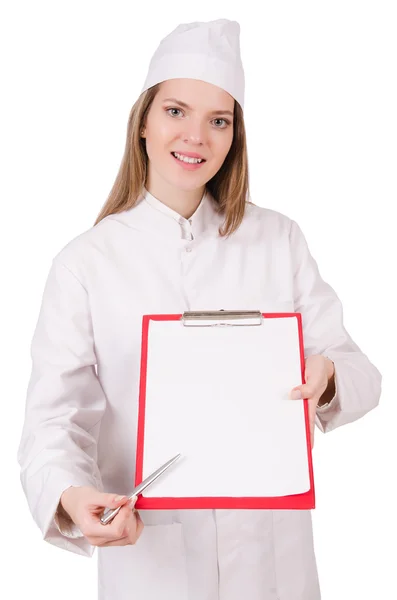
<point>188,116</point>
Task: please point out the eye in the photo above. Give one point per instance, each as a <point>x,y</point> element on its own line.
<point>168,111</point>
<point>225,121</point>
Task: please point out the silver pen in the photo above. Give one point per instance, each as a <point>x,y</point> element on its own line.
<point>109,513</point>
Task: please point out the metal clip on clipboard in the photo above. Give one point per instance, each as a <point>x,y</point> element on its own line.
<point>222,318</point>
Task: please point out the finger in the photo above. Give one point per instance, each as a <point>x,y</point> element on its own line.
<point>313,401</point>
<point>135,529</point>
<point>137,523</point>
<point>118,525</point>
<point>132,521</point>
<point>132,531</point>
<point>97,502</point>
<point>98,533</point>
<point>107,500</point>
<point>125,541</point>
<point>133,501</point>
<point>302,391</point>
<point>114,529</point>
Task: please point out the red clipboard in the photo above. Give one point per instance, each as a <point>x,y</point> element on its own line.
<point>301,501</point>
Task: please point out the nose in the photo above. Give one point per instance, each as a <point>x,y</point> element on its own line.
<point>193,132</point>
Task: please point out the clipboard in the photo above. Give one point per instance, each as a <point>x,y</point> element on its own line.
<point>214,386</point>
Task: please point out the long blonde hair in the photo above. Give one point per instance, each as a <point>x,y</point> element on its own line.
<point>229,186</point>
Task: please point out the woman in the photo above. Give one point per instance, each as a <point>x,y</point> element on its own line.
<point>176,234</point>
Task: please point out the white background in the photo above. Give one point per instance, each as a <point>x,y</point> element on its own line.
<point>321,122</point>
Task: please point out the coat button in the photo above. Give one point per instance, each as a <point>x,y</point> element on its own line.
<point>188,249</point>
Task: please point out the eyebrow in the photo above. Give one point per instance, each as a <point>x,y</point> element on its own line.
<point>184,105</point>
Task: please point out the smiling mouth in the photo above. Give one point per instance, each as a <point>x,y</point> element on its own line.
<point>187,159</point>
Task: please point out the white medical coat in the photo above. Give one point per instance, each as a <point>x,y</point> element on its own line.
<point>81,407</point>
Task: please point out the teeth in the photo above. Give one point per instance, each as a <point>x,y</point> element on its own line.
<point>187,159</point>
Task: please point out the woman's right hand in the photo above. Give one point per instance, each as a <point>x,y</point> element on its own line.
<point>84,505</point>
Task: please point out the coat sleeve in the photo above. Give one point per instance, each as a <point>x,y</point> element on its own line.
<point>357,380</point>
<point>64,406</point>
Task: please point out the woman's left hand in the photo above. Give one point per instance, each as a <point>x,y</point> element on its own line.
<point>319,371</point>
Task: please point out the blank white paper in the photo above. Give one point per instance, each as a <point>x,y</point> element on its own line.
<point>220,397</point>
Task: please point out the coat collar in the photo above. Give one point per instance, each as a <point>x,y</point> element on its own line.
<point>151,215</point>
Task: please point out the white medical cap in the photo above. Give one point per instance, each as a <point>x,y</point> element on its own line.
<point>209,51</point>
